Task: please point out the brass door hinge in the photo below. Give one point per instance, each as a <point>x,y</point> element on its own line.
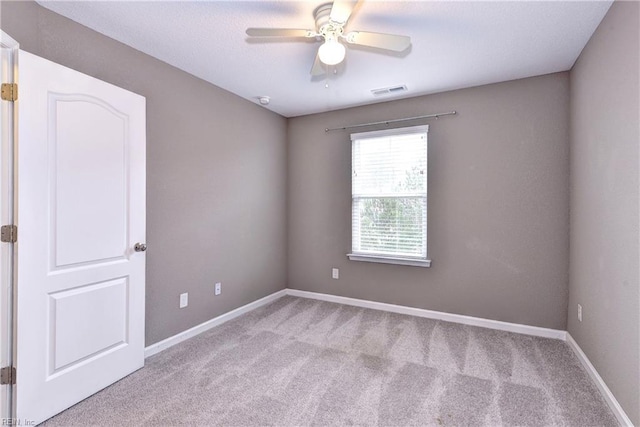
<point>9,91</point>
<point>8,375</point>
<point>9,233</point>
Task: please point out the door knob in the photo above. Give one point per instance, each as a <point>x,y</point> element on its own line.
<point>140,247</point>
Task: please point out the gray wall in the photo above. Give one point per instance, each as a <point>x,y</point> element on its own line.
<point>498,193</point>
<point>498,204</point>
<point>216,174</point>
<point>604,203</point>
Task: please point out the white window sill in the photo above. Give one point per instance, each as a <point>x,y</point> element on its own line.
<point>390,260</point>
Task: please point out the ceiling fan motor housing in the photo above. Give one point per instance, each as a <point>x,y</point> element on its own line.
<point>321,14</point>
<point>324,25</point>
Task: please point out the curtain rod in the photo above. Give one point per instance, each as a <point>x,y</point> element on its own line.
<point>386,122</point>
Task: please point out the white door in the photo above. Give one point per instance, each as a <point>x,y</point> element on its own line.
<point>81,210</point>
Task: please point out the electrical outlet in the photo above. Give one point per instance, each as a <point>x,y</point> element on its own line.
<point>218,288</point>
<point>579,313</point>
<point>184,300</point>
<point>335,273</point>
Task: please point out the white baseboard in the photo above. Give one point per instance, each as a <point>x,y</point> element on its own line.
<point>430,314</point>
<point>189,333</point>
<point>419,312</point>
<point>617,410</point>
<point>412,311</point>
<point>622,417</point>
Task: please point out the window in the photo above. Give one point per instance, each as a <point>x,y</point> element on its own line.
<point>389,196</point>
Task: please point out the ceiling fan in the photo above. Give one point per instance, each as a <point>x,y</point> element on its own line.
<point>331,19</point>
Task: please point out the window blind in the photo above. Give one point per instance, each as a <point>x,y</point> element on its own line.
<point>389,193</point>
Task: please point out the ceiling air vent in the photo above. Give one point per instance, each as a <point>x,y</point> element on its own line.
<point>389,90</point>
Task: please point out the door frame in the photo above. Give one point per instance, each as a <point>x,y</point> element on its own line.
<point>8,209</point>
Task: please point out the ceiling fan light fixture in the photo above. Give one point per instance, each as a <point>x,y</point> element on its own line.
<point>331,19</point>
<point>332,52</point>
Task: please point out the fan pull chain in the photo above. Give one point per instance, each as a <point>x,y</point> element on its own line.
<point>327,75</point>
<point>326,78</point>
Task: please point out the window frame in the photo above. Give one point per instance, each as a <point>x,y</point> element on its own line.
<point>419,261</point>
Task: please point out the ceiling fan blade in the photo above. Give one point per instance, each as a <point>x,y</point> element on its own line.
<point>379,40</point>
<point>341,10</point>
<point>318,68</point>
<point>279,32</point>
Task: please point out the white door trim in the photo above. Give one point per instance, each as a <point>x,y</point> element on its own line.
<point>8,129</point>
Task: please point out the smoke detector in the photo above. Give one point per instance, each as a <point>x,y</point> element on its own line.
<point>264,100</point>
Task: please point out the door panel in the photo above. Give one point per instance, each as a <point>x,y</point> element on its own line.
<point>100,331</point>
<point>80,171</point>
<point>81,209</point>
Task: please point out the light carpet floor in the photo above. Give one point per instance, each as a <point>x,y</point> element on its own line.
<point>304,362</point>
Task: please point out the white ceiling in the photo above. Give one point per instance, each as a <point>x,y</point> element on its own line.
<point>454,44</point>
